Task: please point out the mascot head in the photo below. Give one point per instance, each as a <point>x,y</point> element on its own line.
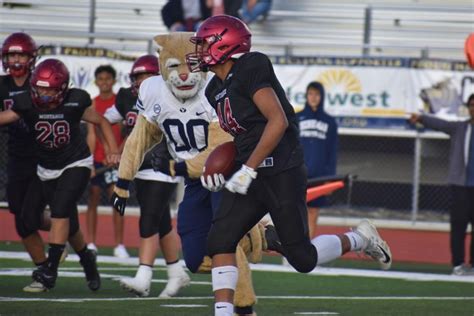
<point>173,49</point>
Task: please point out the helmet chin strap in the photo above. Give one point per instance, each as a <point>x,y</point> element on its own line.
<point>225,56</point>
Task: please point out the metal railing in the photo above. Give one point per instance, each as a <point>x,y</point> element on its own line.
<point>360,28</point>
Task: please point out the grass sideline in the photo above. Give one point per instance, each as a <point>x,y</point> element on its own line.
<point>280,293</point>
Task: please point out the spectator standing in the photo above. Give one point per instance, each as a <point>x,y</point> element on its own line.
<point>318,136</point>
<point>185,15</point>
<point>461,179</point>
<point>105,78</point>
<point>253,9</point>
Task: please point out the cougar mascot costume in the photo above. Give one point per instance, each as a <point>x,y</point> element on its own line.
<point>173,108</point>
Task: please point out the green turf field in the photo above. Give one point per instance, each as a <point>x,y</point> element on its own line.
<point>280,293</point>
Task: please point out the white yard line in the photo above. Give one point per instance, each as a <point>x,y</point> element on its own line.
<point>80,274</point>
<point>368,298</point>
<point>183,305</point>
<point>101,268</point>
<point>410,276</point>
<point>315,313</point>
<point>133,261</point>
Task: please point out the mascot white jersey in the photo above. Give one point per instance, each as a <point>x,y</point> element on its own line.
<point>184,124</point>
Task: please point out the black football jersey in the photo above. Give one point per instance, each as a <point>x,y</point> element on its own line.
<point>57,132</point>
<point>239,116</point>
<point>125,103</point>
<point>21,145</point>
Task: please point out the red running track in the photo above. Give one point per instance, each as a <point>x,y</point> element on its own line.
<point>406,245</point>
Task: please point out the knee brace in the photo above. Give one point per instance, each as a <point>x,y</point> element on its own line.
<point>303,257</point>
<point>22,230</point>
<point>224,277</point>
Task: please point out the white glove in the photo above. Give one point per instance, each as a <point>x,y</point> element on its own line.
<point>213,182</point>
<point>240,181</point>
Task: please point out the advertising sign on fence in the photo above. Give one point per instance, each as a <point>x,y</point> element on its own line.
<point>380,92</point>
<point>360,92</point>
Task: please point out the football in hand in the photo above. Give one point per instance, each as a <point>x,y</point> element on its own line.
<point>221,160</point>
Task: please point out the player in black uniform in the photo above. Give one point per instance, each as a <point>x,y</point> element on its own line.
<point>53,113</point>
<point>154,192</point>
<point>24,195</point>
<point>252,106</point>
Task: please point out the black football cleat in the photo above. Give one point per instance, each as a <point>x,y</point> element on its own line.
<point>273,241</point>
<point>89,263</point>
<point>45,276</point>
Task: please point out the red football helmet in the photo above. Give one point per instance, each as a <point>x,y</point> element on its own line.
<point>19,43</point>
<point>50,74</point>
<point>147,64</point>
<point>217,40</point>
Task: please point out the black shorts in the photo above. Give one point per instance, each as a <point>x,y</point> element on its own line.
<point>282,195</point>
<point>154,200</point>
<point>63,193</point>
<point>106,178</point>
<point>25,195</point>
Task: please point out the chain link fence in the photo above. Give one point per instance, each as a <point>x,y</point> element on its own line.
<point>392,175</point>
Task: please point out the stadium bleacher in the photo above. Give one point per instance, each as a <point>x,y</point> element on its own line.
<point>407,28</point>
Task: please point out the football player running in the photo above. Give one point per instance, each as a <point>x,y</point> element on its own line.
<point>19,52</point>
<point>173,105</point>
<point>270,176</point>
<point>154,191</point>
<point>53,113</point>
<point>25,197</point>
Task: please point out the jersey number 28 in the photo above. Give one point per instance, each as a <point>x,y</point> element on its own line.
<point>59,131</point>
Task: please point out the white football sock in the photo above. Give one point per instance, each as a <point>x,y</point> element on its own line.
<point>357,242</point>
<point>144,273</point>
<point>329,247</point>
<point>174,270</point>
<point>223,309</point>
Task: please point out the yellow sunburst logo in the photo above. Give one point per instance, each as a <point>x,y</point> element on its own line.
<point>340,81</point>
